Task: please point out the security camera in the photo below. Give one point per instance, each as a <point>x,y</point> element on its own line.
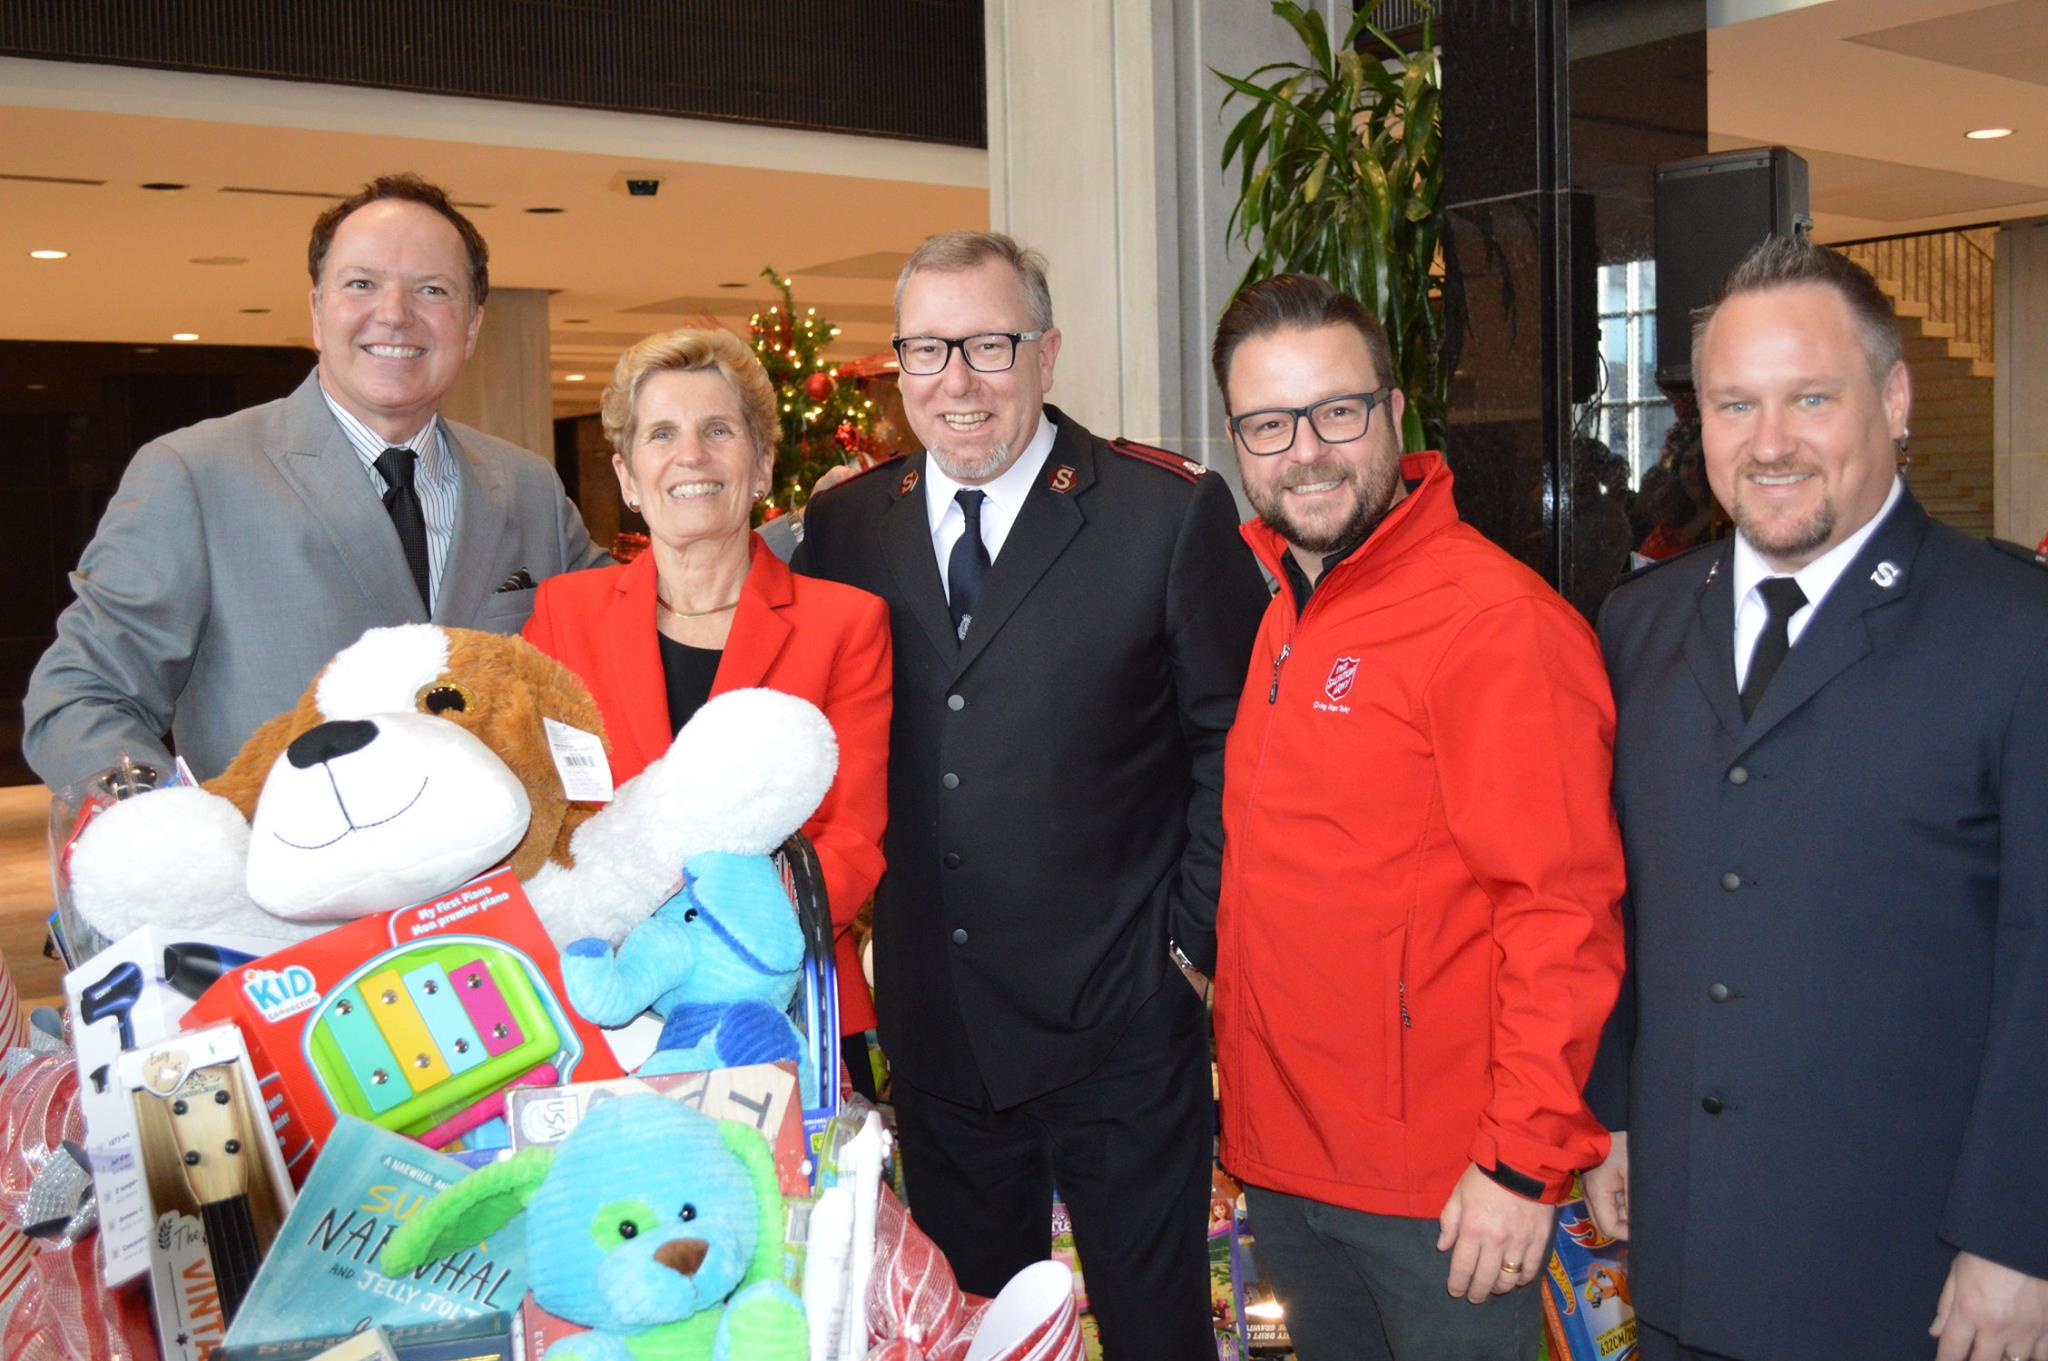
<point>636,188</point>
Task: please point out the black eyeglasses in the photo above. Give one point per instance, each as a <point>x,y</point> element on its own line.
<point>1337,420</point>
<point>989,352</point>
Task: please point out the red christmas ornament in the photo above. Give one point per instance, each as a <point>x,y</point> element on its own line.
<point>819,386</point>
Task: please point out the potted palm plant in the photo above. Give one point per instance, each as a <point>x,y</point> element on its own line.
<point>1341,175</point>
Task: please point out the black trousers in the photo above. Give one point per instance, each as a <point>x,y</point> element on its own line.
<point>1129,1147</point>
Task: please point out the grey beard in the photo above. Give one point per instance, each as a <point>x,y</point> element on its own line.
<point>999,458</point>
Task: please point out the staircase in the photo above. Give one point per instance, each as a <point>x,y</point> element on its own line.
<point>1952,379</point>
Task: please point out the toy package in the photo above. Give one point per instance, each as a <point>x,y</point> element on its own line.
<point>1586,1311</point>
<point>135,992</point>
<point>416,1020</point>
<point>216,1186</point>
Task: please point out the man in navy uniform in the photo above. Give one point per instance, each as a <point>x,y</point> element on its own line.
<point>1072,620</point>
<point>1828,1074</point>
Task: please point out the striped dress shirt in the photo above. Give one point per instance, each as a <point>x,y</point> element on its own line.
<point>434,481</point>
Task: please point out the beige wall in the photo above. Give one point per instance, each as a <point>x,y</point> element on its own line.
<point>2020,404</point>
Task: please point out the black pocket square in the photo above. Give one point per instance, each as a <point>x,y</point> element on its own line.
<point>521,580</point>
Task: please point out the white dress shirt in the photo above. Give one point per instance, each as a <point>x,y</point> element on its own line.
<point>1816,579</point>
<point>998,512</point>
<point>434,481</point>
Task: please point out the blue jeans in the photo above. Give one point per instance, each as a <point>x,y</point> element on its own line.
<point>1368,1287</point>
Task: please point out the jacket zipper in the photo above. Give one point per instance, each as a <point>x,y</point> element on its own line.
<point>1401,988</point>
<point>1273,695</point>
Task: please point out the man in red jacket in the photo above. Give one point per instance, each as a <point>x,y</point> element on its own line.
<point>1418,933</point>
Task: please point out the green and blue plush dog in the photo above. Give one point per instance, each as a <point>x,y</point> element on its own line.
<point>654,1225</point>
<point>718,962</point>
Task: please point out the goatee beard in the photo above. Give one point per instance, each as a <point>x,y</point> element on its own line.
<point>982,471</point>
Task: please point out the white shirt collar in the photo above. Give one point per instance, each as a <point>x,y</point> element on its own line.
<point>368,444</point>
<point>1006,492</point>
<point>1816,579</point>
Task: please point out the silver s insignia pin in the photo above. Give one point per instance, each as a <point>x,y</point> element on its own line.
<point>1887,574</point>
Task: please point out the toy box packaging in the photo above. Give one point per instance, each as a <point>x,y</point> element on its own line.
<point>215,1186</point>
<point>1586,1309</point>
<point>135,992</point>
<point>417,1020</point>
<point>320,1282</point>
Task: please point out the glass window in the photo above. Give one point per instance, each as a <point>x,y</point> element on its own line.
<point>1633,413</point>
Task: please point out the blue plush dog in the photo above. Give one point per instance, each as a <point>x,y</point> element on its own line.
<point>718,962</point>
<point>653,1224</point>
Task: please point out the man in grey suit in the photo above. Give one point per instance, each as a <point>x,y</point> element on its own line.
<point>241,553</point>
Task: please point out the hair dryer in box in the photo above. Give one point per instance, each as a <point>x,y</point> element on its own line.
<point>417,1020</point>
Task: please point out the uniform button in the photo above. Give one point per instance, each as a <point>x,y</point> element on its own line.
<point>950,780</point>
<point>1731,881</point>
<point>1710,1104</point>
<point>952,860</point>
<point>1739,775</point>
<point>956,702</point>
<point>959,935</point>
<point>1718,993</point>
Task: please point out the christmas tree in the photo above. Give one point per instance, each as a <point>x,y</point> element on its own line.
<point>825,422</point>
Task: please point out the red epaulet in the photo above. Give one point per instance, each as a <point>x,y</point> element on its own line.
<point>888,462</point>
<point>1159,458</point>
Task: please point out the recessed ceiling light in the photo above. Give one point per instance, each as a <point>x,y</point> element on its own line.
<point>572,377</point>
<point>732,285</point>
<point>255,311</point>
<point>161,186</point>
<point>576,321</point>
<point>49,255</point>
<point>544,210</point>
<point>184,335</point>
<point>220,259</point>
<point>1987,134</point>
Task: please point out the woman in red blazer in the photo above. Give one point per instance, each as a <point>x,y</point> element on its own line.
<point>709,608</point>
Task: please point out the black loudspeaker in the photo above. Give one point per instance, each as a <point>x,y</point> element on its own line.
<point>1711,210</point>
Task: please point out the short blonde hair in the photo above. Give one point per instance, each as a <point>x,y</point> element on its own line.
<point>682,352</point>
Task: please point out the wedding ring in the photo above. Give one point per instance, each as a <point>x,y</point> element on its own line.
<point>1515,1269</point>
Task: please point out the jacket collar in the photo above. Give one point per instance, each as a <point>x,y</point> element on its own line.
<point>1881,575</point>
<point>1427,510</point>
<point>759,632</point>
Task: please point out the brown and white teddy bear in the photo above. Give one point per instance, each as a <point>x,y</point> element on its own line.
<point>418,759</point>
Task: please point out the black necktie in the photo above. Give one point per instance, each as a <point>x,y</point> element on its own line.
<point>1783,598</point>
<point>967,569</point>
<point>395,466</point>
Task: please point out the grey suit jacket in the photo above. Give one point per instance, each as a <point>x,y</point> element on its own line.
<point>240,554</point>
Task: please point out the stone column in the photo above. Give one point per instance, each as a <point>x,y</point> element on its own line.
<point>503,390</point>
<point>2020,390</point>
<point>1103,141</point>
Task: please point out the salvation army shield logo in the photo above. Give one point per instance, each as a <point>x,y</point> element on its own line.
<point>1343,672</point>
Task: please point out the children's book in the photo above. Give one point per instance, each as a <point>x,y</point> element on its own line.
<point>321,1279</point>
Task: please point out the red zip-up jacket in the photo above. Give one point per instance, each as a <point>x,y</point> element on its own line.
<point>1419,936</point>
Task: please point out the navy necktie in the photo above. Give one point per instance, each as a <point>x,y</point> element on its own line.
<point>395,466</point>
<point>1783,598</point>
<point>967,569</point>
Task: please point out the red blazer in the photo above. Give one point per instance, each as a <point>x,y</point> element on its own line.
<point>816,640</point>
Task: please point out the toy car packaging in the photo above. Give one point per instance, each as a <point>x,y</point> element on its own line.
<point>417,1020</point>
<point>1586,1309</point>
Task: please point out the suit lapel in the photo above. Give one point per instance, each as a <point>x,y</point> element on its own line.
<point>322,468</point>
<point>482,517</point>
<point>634,658</point>
<point>1045,526</point>
<point>1710,642</point>
<point>1839,635</point>
<point>906,534</point>
<point>758,627</point>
